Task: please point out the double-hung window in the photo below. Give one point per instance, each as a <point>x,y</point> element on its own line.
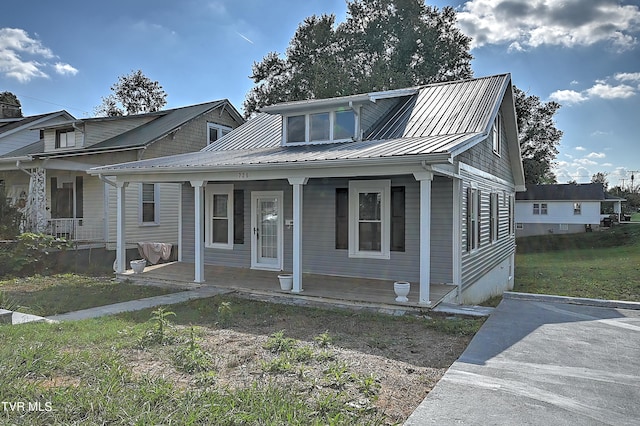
<point>219,227</point>
<point>65,138</point>
<point>149,204</point>
<point>318,127</point>
<point>473,218</point>
<point>539,208</point>
<point>369,218</point>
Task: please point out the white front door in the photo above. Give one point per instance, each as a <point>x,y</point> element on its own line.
<point>267,232</point>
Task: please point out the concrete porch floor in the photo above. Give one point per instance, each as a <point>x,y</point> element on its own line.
<point>322,288</point>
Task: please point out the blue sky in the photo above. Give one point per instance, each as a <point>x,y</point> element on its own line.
<point>583,54</point>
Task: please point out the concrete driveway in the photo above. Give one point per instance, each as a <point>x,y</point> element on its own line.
<point>544,360</point>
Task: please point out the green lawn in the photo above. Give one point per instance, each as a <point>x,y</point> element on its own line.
<point>50,295</point>
<point>603,265</point>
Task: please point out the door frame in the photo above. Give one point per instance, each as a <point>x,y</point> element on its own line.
<point>279,197</point>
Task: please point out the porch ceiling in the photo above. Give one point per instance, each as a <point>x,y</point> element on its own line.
<point>336,290</point>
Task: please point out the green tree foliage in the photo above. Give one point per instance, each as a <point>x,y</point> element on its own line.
<point>9,98</point>
<point>134,93</point>
<point>601,177</point>
<point>538,136</point>
<point>382,45</point>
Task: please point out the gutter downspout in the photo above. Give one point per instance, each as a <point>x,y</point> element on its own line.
<point>19,166</point>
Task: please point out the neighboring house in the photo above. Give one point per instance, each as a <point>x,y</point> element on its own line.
<point>414,184</point>
<point>562,208</point>
<point>64,200</point>
<point>16,133</point>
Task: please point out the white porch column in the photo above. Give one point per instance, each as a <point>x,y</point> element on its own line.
<point>425,179</point>
<point>121,247</point>
<point>297,231</point>
<point>198,197</point>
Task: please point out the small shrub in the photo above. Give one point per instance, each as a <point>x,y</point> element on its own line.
<point>160,334</point>
<point>369,385</point>
<point>191,358</point>
<point>280,364</point>
<point>225,313</point>
<point>336,375</point>
<point>324,339</point>
<point>278,343</point>
<point>301,354</point>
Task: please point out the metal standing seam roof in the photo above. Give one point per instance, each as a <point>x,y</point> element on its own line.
<point>441,118</point>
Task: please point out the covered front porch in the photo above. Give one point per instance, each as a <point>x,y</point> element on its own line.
<point>323,288</point>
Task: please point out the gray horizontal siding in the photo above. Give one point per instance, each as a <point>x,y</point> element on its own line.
<point>319,253</point>
<point>489,253</point>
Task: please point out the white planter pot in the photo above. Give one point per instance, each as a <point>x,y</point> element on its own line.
<point>402,290</point>
<point>286,282</point>
<point>138,265</point>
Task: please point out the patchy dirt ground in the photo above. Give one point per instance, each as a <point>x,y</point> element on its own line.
<point>366,361</point>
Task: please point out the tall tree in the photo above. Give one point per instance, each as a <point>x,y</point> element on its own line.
<point>382,45</point>
<point>134,93</point>
<point>538,136</point>
<point>601,177</point>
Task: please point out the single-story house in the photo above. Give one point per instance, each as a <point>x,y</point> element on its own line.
<point>414,184</point>
<point>62,199</point>
<point>562,208</point>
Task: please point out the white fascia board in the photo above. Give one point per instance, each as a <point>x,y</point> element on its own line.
<point>303,106</point>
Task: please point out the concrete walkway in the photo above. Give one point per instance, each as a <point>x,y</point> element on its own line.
<point>544,360</point>
<point>136,305</point>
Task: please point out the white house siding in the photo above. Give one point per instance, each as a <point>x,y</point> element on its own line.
<point>192,136</point>
<point>92,228</point>
<point>319,253</point>
<point>558,213</point>
<point>166,231</point>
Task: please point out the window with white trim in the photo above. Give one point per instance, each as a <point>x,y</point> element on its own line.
<point>149,196</point>
<point>539,208</point>
<point>577,208</point>
<point>369,218</point>
<point>495,135</point>
<point>215,131</point>
<point>65,138</point>
<point>324,126</point>
<point>219,228</point>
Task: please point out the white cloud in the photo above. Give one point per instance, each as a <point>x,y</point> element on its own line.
<point>24,58</point>
<point>601,89</point>
<point>65,69</point>
<point>585,162</point>
<point>596,155</point>
<point>567,97</point>
<point>526,24</point>
<point>580,148</point>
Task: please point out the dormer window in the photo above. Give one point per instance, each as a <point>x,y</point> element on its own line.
<point>320,127</point>
<point>215,131</point>
<point>65,138</point>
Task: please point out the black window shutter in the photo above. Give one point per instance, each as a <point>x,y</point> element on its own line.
<point>54,197</point>
<point>342,218</point>
<point>238,216</point>
<point>79,198</point>
<point>469,227</point>
<point>397,218</point>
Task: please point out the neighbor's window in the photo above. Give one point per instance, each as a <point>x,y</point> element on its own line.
<point>577,208</point>
<point>539,208</point>
<point>215,131</point>
<point>326,126</point>
<point>149,203</point>
<point>369,218</point>
<point>219,227</point>
<point>65,138</point>
<point>519,226</point>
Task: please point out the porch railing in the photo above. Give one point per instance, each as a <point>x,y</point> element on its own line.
<point>79,230</point>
